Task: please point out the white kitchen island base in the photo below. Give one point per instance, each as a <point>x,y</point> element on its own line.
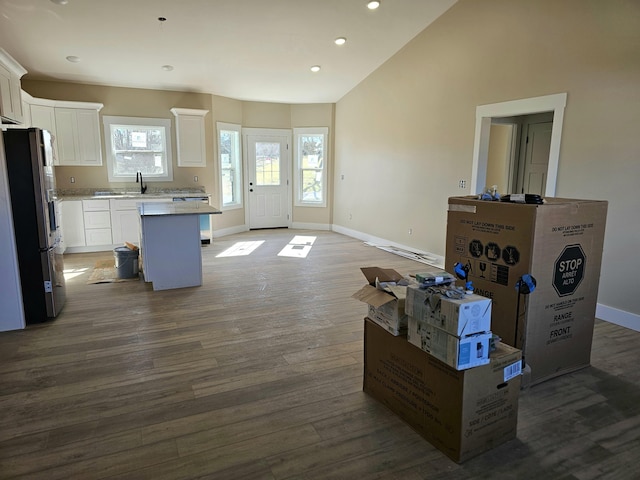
<point>170,243</point>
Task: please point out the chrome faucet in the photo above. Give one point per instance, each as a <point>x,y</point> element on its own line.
<point>143,187</point>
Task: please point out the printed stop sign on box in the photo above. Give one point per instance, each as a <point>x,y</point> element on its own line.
<point>569,270</point>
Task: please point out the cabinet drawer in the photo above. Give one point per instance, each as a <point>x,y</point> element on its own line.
<point>94,205</point>
<point>97,220</point>
<point>98,236</point>
<point>124,204</point>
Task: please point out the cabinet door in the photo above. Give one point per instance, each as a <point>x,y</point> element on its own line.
<point>72,223</point>
<point>10,98</point>
<point>67,129</point>
<point>191,150</point>
<point>5,92</point>
<point>97,220</point>
<point>89,145</point>
<point>43,116</point>
<point>190,133</point>
<point>98,236</point>
<point>125,225</point>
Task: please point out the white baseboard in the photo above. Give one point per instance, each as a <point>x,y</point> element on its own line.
<point>223,232</point>
<point>438,260</point>
<point>311,226</point>
<point>619,317</point>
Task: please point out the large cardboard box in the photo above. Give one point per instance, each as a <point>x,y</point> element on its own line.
<point>459,316</point>
<point>386,300</point>
<point>457,352</point>
<point>559,244</point>
<point>462,413</point>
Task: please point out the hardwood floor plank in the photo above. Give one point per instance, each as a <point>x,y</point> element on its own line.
<point>257,374</point>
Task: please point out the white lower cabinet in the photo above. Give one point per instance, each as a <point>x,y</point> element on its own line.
<point>97,222</point>
<point>99,225</point>
<point>72,223</point>
<point>125,221</point>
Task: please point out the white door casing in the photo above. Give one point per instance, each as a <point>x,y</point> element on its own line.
<point>549,103</point>
<point>267,177</point>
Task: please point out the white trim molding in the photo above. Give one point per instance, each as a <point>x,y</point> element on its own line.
<point>619,317</point>
<point>484,113</point>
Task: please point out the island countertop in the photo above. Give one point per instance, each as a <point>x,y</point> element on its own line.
<point>155,209</point>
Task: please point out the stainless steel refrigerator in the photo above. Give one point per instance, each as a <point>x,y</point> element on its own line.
<point>34,207</point>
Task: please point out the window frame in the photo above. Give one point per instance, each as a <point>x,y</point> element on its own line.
<point>298,133</point>
<point>238,186</point>
<point>109,120</point>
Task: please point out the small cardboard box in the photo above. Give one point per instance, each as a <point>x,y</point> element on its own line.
<point>560,245</point>
<point>386,307</point>
<point>462,413</point>
<point>457,352</point>
<point>388,316</point>
<point>460,317</point>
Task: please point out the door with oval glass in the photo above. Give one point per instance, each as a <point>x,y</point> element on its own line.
<point>268,178</point>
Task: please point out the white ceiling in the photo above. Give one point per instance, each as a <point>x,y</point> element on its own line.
<point>259,50</point>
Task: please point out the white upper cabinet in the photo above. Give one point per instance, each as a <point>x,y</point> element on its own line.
<point>190,134</point>
<point>10,92</point>
<point>78,136</point>
<point>74,126</point>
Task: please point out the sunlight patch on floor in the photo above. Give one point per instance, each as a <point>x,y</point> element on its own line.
<point>298,247</point>
<point>241,249</point>
<point>70,273</point>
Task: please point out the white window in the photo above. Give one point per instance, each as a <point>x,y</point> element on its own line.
<point>310,179</point>
<point>230,156</point>
<point>138,145</point>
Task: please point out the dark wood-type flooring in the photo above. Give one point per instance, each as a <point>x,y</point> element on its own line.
<point>258,375</point>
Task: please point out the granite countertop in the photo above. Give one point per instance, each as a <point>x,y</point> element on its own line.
<point>107,193</point>
<point>175,208</point>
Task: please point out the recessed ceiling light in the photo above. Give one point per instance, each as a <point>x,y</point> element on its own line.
<point>340,41</point>
<point>315,68</point>
<point>60,2</point>
<point>373,5</point>
<point>73,59</point>
<point>167,68</point>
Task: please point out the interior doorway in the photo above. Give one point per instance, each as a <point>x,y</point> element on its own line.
<point>518,156</point>
<point>487,114</point>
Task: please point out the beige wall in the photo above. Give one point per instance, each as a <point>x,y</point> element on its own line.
<point>404,136</point>
<point>499,157</point>
<point>157,104</point>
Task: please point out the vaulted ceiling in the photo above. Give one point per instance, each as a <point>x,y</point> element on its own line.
<point>259,50</point>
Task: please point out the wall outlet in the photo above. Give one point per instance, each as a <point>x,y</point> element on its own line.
<point>462,184</point>
<point>195,178</point>
<point>411,231</point>
<point>72,179</point>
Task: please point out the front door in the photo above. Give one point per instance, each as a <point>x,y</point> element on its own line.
<point>268,178</point>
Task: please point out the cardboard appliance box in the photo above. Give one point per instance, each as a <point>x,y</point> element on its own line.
<point>460,317</point>
<point>457,352</point>
<point>559,244</point>
<point>462,413</point>
<point>386,307</point>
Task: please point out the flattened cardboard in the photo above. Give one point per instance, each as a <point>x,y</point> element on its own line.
<point>462,413</point>
<point>382,274</point>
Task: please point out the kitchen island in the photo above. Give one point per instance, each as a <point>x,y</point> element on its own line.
<point>170,243</point>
